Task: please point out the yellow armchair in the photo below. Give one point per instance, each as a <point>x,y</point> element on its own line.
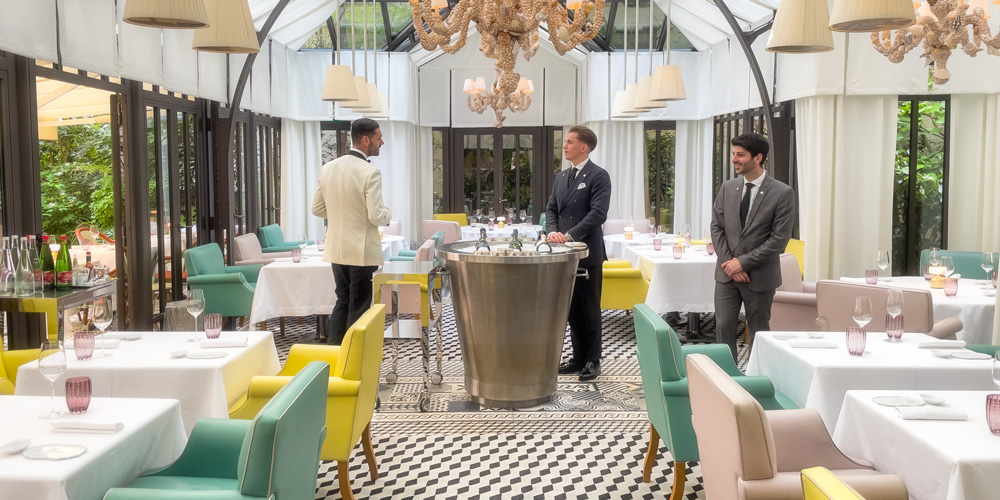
<point>623,286</point>
<point>798,249</point>
<point>9,362</point>
<point>818,483</point>
<point>350,395</point>
<point>461,219</point>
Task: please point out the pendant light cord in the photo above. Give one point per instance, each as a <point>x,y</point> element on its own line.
<point>354,65</point>
<point>668,32</point>
<point>650,37</point>
<point>364,17</point>
<point>625,37</point>
<point>635,39</point>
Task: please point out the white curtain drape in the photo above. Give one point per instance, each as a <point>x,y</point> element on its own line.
<point>845,164</point>
<point>406,162</point>
<point>300,167</point>
<point>974,173</point>
<point>622,152</point>
<point>693,175</point>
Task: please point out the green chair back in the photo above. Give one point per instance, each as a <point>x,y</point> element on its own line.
<point>966,263</point>
<point>541,222</point>
<point>271,236</point>
<point>651,368</point>
<point>204,259</point>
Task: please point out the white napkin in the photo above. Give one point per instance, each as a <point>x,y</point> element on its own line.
<point>931,413</point>
<point>812,343</point>
<point>209,343</point>
<point>941,344</point>
<point>109,343</point>
<point>786,336</point>
<point>86,426</point>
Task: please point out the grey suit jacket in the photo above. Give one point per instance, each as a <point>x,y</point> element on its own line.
<point>758,246</point>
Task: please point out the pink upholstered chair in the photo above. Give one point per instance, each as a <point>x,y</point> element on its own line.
<point>246,250</point>
<point>393,228</point>
<point>794,306</point>
<point>747,453</point>
<point>835,300</point>
<point>452,231</point>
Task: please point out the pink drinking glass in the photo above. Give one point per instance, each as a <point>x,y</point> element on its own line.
<point>78,393</point>
<point>83,345</point>
<point>678,251</point>
<point>710,248</point>
<point>893,327</point>
<point>927,272</point>
<point>993,413</point>
<point>871,276</point>
<point>320,245</point>
<point>657,244</point>
<point>213,325</point>
<point>296,255</point>
<point>950,287</point>
<point>856,341</point>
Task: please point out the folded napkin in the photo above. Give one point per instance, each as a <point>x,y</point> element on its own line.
<point>941,344</point>
<point>209,343</point>
<point>109,343</point>
<point>786,336</point>
<point>812,343</point>
<point>86,426</point>
<point>931,413</point>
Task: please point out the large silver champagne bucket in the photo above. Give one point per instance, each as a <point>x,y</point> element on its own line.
<point>511,313</point>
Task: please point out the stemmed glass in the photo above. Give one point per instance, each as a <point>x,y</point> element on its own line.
<point>862,311</point>
<point>987,262</point>
<point>523,214</point>
<point>493,216</point>
<point>934,256</point>
<point>882,262</point>
<point>476,219</point>
<point>894,307</point>
<point>52,364</point>
<point>101,316</point>
<point>302,246</point>
<point>196,306</point>
<point>652,225</point>
<point>949,265</point>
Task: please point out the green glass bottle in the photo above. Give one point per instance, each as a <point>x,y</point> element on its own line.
<point>64,272</point>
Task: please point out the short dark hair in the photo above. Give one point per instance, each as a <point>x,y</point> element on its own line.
<point>755,144</point>
<point>361,128</point>
<point>585,135</point>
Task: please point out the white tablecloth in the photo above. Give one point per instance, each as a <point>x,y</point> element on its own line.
<point>687,284</point>
<point>153,437</point>
<point>391,246</point>
<point>99,254</point>
<point>819,378</point>
<point>615,244</point>
<point>144,369</point>
<point>285,288</point>
<point>936,459</point>
<point>970,305</point>
<point>472,233</point>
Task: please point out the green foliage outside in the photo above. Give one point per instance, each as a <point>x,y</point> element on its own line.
<point>400,14</point>
<point>660,176</point>
<point>929,187</point>
<point>76,180</point>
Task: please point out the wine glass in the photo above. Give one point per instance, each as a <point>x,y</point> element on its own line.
<point>523,214</point>
<point>302,246</point>
<point>894,307</point>
<point>882,262</point>
<point>101,316</point>
<point>51,365</point>
<point>493,216</point>
<point>987,262</point>
<point>862,311</point>
<point>652,225</point>
<point>934,256</point>
<point>948,262</point>
<point>196,306</point>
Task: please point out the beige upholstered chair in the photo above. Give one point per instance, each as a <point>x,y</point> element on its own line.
<point>747,453</point>
<point>393,228</point>
<point>794,306</point>
<point>246,250</point>
<point>835,300</point>
<point>452,231</point>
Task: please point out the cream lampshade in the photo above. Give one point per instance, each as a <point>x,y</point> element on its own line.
<point>338,85</point>
<point>230,29</point>
<point>383,104</point>
<point>631,90</point>
<point>439,4</point>
<point>668,85</point>
<point>618,106</point>
<point>480,84</point>
<point>469,87</point>
<point>643,95</point>
<point>864,16</point>
<point>364,100</point>
<point>799,28</point>
<point>981,4</point>
<point>374,99</point>
<point>178,14</point>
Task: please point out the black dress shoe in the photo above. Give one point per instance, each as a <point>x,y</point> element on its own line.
<point>590,371</point>
<point>569,368</point>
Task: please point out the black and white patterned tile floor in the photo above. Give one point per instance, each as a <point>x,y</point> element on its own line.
<point>588,442</point>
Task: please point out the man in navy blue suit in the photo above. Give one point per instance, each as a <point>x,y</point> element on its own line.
<point>576,211</point>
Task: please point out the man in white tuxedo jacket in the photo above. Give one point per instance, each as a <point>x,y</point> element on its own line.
<point>349,197</point>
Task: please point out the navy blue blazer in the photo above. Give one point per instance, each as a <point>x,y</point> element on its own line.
<point>581,209</point>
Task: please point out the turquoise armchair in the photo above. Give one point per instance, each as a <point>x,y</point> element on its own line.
<point>274,456</point>
<point>273,240</point>
<point>665,384</point>
<point>966,263</point>
<point>228,289</point>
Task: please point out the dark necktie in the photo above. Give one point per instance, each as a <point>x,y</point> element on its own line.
<point>745,204</point>
<point>570,177</point>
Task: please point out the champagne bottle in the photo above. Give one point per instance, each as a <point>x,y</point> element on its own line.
<point>48,265</point>
<point>482,243</point>
<point>515,241</point>
<point>64,273</point>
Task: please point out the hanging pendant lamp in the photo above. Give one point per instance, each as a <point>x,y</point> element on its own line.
<point>668,85</point>
<point>360,85</point>
<point>622,105</point>
<point>230,29</point>
<point>374,103</point>
<point>169,14</point>
<point>338,83</point>
<point>864,16</point>
<point>798,28</point>
<point>644,94</point>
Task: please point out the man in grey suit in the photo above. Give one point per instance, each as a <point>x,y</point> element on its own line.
<point>751,223</point>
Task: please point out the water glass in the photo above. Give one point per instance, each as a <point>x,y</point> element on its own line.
<point>871,276</point>
<point>51,365</point>
<point>934,256</point>
<point>710,248</point>
<point>78,390</point>
<point>855,341</point>
<point>296,255</point>
<point>320,244</point>
<point>996,369</point>
<point>213,325</point>
<point>893,328</point>
<point>83,345</point>
<point>862,311</point>
<point>678,251</point>
<point>993,413</point>
<point>950,287</point>
<point>657,244</point>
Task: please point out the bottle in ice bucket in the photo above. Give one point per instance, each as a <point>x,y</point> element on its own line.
<point>482,243</point>
<point>515,241</point>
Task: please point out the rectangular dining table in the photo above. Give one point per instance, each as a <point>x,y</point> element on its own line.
<point>818,378</point>
<point>936,459</point>
<point>144,368</point>
<point>685,284</point>
<point>152,436</point>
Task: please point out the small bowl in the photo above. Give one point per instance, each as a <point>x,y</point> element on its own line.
<point>932,399</point>
<point>15,447</point>
<point>816,335</point>
<point>178,354</point>
<point>942,353</point>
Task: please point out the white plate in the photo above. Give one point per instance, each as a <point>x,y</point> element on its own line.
<point>970,355</point>
<point>15,447</point>
<point>54,451</point>
<point>124,335</point>
<point>897,401</point>
<point>932,399</point>
<point>206,354</point>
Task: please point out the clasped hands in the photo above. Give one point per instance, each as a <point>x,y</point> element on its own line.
<point>734,270</point>
<point>555,237</point>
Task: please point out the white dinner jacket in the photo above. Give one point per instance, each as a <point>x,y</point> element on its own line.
<point>349,197</point>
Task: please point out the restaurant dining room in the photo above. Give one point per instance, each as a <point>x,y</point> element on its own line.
<point>529,249</point>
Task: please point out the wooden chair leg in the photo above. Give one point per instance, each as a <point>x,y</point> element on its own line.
<point>262,326</point>
<point>241,321</point>
<point>680,475</point>
<point>366,443</point>
<point>654,446</point>
<point>301,320</point>
<point>344,479</point>
<point>281,325</point>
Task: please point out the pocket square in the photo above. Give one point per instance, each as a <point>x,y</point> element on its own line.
<point>582,185</point>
